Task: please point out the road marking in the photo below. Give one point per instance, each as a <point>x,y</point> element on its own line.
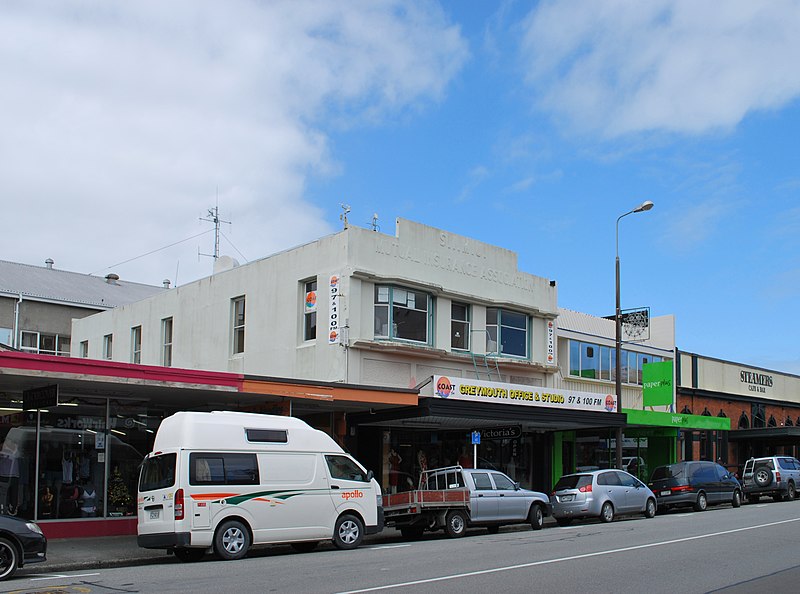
<point>61,576</point>
<point>572,558</point>
<point>397,546</point>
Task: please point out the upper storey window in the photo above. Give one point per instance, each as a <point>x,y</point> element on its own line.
<point>402,314</point>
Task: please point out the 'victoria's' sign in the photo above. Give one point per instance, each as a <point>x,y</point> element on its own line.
<point>756,382</point>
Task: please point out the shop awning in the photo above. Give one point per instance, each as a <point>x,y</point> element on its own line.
<point>437,413</point>
<point>656,418</point>
<point>789,435</point>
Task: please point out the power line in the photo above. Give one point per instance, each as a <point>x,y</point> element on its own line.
<point>152,251</point>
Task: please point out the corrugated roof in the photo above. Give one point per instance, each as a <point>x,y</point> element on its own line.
<point>51,284</point>
<point>585,323</point>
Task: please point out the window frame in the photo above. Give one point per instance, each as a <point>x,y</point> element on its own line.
<point>310,318</point>
<point>238,329</point>
<point>390,303</point>
<point>136,344</point>
<point>498,326</point>
<point>464,324</point>
<point>84,349</point>
<point>167,337</point>
<point>108,346</point>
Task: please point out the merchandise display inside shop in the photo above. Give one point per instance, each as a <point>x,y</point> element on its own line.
<point>87,463</point>
<point>595,451</point>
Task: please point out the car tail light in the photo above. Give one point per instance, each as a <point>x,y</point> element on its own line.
<point>681,488</point>
<point>777,476</point>
<point>179,504</point>
<point>586,488</point>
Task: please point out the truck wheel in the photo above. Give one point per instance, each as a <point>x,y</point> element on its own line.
<point>762,476</point>
<point>455,523</point>
<point>702,502</point>
<point>536,517</point>
<point>348,533</point>
<point>189,555</point>
<point>9,559</point>
<point>232,540</point>
<point>305,547</point>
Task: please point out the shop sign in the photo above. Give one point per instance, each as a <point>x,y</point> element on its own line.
<point>501,432</point>
<point>755,381</point>
<point>334,329</point>
<point>520,394</point>
<point>43,397</point>
<point>666,419</point>
<point>657,386</point>
<point>551,349</point>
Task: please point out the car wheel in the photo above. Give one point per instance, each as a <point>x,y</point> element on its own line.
<point>702,502</point>
<point>232,540</point>
<point>348,532</point>
<point>762,476</point>
<point>9,559</point>
<point>737,498</point>
<point>791,492</point>
<point>189,555</point>
<point>536,517</point>
<point>607,512</point>
<point>305,547</point>
<point>650,509</point>
<point>455,523</point>
<point>563,521</point>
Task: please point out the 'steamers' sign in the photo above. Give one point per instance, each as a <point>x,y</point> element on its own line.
<point>481,391</point>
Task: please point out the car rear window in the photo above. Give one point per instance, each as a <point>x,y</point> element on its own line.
<point>158,472</point>
<point>573,481</point>
<point>668,472</point>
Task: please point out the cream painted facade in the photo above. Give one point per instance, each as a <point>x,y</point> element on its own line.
<point>580,327</point>
<point>445,266</point>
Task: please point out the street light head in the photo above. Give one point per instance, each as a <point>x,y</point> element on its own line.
<point>646,205</point>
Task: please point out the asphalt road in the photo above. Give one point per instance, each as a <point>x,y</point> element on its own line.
<point>723,549</point>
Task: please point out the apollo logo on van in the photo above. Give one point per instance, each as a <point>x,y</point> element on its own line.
<point>352,494</point>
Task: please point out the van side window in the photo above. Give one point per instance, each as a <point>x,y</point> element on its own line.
<point>267,435</point>
<point>223,469</point>
<point>343,468</point>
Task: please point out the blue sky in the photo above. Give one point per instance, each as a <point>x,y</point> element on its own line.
<point>528,125</point>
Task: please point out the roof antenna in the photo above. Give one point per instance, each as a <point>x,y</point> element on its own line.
<point>213,214</point>
<point>375,226</point>
<point>343,216</point>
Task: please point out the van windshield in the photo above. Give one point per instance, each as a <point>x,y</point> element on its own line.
<point>667,472</point>
<point>158,472</point>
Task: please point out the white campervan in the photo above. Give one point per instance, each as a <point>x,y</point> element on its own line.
<point>229,480</point>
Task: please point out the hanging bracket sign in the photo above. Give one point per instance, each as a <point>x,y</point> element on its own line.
<point>43,397</point>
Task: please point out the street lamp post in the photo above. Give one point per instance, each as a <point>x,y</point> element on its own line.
<point>644,206</point>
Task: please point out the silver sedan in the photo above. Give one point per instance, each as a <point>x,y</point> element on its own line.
<point>600,494</point>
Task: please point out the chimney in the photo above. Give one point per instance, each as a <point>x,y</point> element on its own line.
<point>112,278</point>
<point>166,283</point>
<point>49,263</point>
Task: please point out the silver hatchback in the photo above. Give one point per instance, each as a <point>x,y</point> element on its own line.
<point>600,494</point>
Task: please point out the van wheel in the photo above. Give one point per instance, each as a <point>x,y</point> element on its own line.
<point>189,555</point>
<point>455,523</point>
<point>650,509</point>
<point>607,512</point>
<point>9,558</point>
<point>348,533</point>
<point>702,502</point>
<point>305,547</point>
<point>791,492</point>
<point>536,517</point>
<point>232,540</point>
<point>737,498</point>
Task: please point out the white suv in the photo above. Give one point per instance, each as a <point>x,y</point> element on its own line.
<point>777,476</point>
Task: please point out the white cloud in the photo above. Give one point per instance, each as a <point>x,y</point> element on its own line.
<point>121,120</point>
<point>686,66</point>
